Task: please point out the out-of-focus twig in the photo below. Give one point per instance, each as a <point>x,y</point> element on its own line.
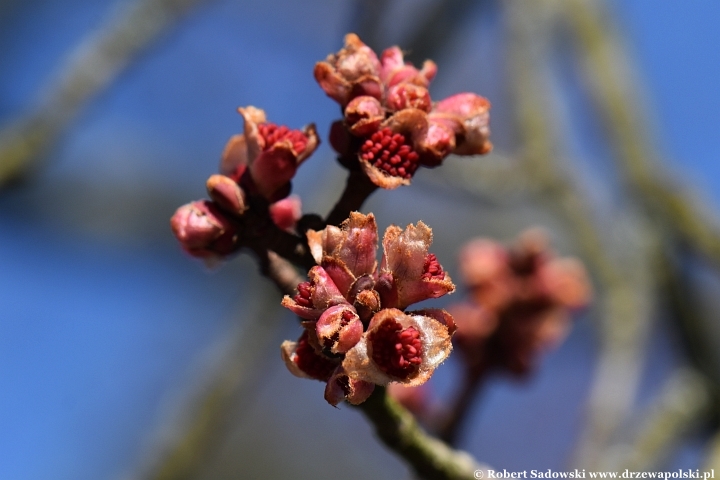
<point>91,68</point>
<point>610,79</point>
<point>684,400</point>
<point>429,457</point>
<point>673,214</point>
<point>188,444</point>
<point>624,309</point>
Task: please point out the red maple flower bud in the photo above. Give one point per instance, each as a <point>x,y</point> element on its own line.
<point>389,157</point>
<point>348,252</point>
<point>266,156</point>
<point>315,296</point>
<point>363,115</point>
<point>350,73</point>
<point>227,194</point>
<point>285,213</point>
<point>341,387</point>
<point>521,301</point>
<point>395,71</point>
<point>304,361</point>
<point>203,230</point>
<point>468,116</point>
<point>411,274</point>
<point>339,328</point>
<point>408,95</point>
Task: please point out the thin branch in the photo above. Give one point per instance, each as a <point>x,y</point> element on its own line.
<point>683,403</point>
<point>625,315</point>
<point>93,65</point>
<point>357,189</point>
<point>191,439</point>
<point>609,76</point>
<point>429,457</point>
<point>465,398</point>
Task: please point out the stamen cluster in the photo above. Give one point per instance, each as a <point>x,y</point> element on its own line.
<point>385,93</point>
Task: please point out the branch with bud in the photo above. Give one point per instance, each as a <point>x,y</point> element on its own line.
<point>358,333</point>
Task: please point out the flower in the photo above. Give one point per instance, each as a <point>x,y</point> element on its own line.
<point>519,303</point>
<point>391,126</point>
<point>354,310</point>
<point>266,156</point>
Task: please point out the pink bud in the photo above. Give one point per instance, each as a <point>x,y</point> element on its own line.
<point>339,328</point>
<point>395,71</point>
<point>469,115</point>
<point>351,72</point>
<point>285,213</point>
<point>408,95</point>
<point>437,144</point>
<point>363,115</point>
<point>203,230</point>
<point>341,387</point>
<point>227,194</point>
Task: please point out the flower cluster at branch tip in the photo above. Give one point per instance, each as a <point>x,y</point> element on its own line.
<point>519,304</point>
<point>255,172</point>
<point>390,125</point>
<point>357,333</point>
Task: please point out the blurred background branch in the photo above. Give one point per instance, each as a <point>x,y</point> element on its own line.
<point>90,68</point>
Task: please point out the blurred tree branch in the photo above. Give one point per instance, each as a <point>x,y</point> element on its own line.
<point>624,311</point>
<point>609,76</point>
<point>91,67</point>
<point>682,403</point>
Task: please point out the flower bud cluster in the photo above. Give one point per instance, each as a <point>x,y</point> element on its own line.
<point>390,124</point>
<point>519,304</point>
<point>356,330</point>
<point>255,172</point>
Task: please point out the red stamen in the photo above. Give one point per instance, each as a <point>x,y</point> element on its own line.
<point>273,134</point>
<point>304,293</point>
<point>391,153</point>
<point>432,268</point>
<point>396,352</point>
<point>311,362</point>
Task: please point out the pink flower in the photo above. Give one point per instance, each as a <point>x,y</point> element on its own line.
<point>266,156</point>
<point>520,301</point>
<point>203,230</point>
<point>391,126</point>
<point>355,309</point>
<point>408,272</point>
<point>352,72</point>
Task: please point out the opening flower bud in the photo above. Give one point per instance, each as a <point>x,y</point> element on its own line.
<point>339,328</point>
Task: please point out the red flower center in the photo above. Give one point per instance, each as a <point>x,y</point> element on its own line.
<point>273,134</point>
<point>303,296</point>
<point>391,153</point>
<point>432,268</point>
<point>396,352</point>
<point>310,362</point>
